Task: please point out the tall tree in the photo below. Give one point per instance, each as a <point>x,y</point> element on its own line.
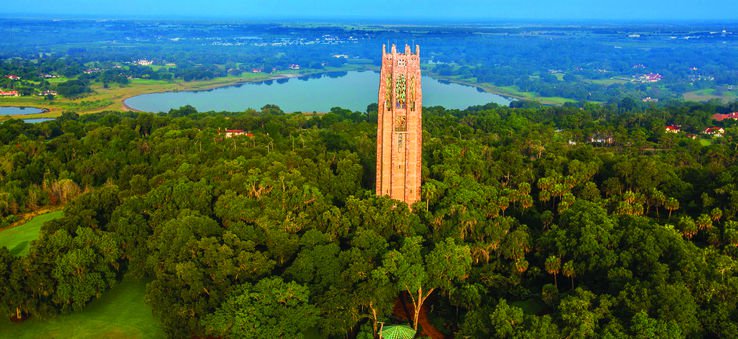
<point>420,274</point>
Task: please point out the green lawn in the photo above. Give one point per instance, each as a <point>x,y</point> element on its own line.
<point>18,239</point>
<point>120,313</point>
<point>710,94</point>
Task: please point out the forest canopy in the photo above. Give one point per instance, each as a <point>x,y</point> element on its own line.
<point>529,225</point>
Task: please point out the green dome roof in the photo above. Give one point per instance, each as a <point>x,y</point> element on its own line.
<point>398,332</point>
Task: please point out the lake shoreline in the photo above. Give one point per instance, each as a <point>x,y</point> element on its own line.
<point>237,100</point>
<point>201,86</point>
<point>226,85</point>
<point>11,105</point>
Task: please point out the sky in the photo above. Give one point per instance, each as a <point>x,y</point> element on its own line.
<point>399,10</point>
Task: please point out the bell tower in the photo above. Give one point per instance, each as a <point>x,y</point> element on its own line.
<point>399,129</point>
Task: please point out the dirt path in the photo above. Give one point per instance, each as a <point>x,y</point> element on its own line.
<point>404,310</point>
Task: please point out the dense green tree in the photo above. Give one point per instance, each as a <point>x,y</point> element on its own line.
<point>271,308</point>
<point>419,273</point>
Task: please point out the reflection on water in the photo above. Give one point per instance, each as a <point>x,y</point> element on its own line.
<point>314,93</point>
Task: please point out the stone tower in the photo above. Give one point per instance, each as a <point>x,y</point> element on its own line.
<point>399,131</point>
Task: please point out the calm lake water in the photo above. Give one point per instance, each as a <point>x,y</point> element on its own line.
<point>37,120</point>
<point>19,110</point>
<point>352,90</point>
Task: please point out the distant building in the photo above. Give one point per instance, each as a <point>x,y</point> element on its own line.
<point>295,66</point>
<point>230,133</point>
<point>9,94</point>
<point>650,77</point>
<point>692,136</point>
<point>47,92</point>
<point>144,62</point>
<point>13,77</point>
<point>673,129</point>
<point>714,131</point>
<point>257,70</point>
<point>602,139</point>
<point>650,99</point>
<point>340,56</point>
<point>721,117</point>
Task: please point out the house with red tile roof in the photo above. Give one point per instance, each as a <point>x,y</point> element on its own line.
<point>721,117</point>
<point>673,129</point>
<point>714,131</point>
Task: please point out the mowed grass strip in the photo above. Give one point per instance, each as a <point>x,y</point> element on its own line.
<point>18,239</point>
<point>120,313</point>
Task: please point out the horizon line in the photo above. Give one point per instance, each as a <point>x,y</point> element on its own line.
<point>365,19</point>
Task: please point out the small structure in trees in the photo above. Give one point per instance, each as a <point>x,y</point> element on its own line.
<point>397,332</point>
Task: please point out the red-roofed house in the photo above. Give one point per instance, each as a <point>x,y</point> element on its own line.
<point>13,77</point>
<point>714,131</point>
<point>673,129</point>
<point>721,117</point>
<point>9,94</point>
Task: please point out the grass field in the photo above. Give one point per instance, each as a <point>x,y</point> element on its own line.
<point>710,94</point>
<point>515,93</point>
<point>18,239</point>
<point>120,313</point>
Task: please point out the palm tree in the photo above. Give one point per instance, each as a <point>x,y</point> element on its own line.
<point>429,192</point>
<point>657,199</point>
<point>671,205</point>
<point>521,265</point>
<point>704,222</point>
<point>526,202</point>
<point>688,227</point>
<point>716,214</point>
<point>568,271</point>
<point>553,266</point>
<point>502,204</point>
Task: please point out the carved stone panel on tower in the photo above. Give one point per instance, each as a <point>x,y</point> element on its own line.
<point>399,130</point>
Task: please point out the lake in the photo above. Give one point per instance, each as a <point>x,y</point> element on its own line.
<point>318,93</point>
<point>11,110</point>
<point>37,120</point>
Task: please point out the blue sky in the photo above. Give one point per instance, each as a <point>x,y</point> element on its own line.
<point>452,10</point>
